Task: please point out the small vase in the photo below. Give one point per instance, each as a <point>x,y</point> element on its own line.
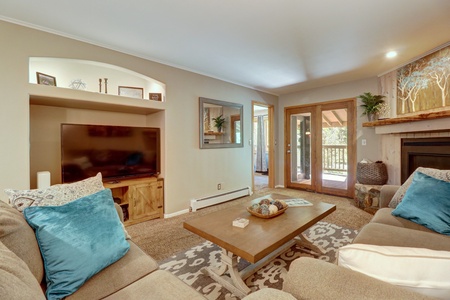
<point>372,117</point>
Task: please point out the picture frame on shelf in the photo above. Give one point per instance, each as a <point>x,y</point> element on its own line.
<point>155,96</point>
<point>132,92</point>
<point>45,79</point>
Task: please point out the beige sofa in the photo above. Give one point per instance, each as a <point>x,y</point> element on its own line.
<point>134,276</point>
<point>309,278</point>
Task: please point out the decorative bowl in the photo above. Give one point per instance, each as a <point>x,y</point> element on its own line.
<point>279,212</point>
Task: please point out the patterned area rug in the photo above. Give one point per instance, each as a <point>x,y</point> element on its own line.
<point>187,265</point>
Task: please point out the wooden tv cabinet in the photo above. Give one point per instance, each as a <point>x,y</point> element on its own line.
<point>141,199</point>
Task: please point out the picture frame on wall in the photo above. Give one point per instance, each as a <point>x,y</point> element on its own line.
<point>155,96</point>
<point>45,79</point>
<point>132,92</point>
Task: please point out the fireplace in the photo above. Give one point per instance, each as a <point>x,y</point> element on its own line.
<point>424,152</point>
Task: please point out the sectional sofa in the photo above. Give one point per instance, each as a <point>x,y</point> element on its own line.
<point>388,254</point>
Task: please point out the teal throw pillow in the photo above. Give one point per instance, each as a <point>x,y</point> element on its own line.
<point>427,202</point>
<point>77,240</point>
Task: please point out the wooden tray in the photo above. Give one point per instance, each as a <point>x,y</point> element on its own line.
<point>267,216</point>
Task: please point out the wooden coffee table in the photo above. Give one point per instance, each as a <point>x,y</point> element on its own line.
<point>259,242</point>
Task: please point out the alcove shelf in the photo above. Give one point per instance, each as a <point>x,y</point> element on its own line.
<point>67,76</point>
<point>69,98</point>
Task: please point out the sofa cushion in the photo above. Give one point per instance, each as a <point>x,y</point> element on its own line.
<point>16,280</point>
<point>77,240</point>
<point>310,278</point>
<point>158,285</point>
<point>56,194</point>
<point>131,267</point>
<point>427,202</point>
<point>435,173</point>
<point>421,270</point>
<point>384,216</point>
<point>386,235</point>
<point>17,235</point>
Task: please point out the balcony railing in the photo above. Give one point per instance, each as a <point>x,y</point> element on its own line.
<point>334,158</point>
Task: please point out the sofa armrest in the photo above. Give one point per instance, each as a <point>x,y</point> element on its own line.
<point>310,278</point>
<point>386,193</point>
<point>119,211</point>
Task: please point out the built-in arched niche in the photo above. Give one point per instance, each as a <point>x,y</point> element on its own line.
<point>94,77</point>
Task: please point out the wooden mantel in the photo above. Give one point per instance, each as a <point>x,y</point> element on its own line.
<point>415,118</point>
<point>438,121</point>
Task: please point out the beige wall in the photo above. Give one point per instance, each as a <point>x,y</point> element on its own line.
<point>189,172</point>
<point>329,93</point>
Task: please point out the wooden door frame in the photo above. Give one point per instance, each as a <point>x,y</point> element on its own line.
<point>287,139</point>
<point>316,110</point>
<point>271,139</point>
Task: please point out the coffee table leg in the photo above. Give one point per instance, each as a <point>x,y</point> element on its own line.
<point>302,242</point>
<point>234,283</point>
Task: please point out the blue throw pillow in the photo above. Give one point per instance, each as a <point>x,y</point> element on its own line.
<point>77,240</point>
<point>427,202</point>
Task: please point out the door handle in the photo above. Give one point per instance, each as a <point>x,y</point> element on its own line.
<point>289,151</point>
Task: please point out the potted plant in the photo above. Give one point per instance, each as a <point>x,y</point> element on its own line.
<point>219,122</point>
<point>372,105</point>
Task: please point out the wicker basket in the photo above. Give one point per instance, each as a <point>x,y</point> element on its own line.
<point>372,173</point>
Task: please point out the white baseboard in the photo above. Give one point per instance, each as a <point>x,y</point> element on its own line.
<point>184,211</point>
<point>219,198</point>
<point>279,186</point>
<point>178,213</point>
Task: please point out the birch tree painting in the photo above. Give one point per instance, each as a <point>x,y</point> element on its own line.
<point>424,84</point>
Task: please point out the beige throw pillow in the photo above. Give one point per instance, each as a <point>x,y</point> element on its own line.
<point>435,173</point>
<point>55,195</point>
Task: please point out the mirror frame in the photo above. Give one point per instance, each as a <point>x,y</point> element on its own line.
<point>240,107</point>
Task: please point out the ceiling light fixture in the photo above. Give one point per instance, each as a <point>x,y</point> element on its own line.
<point>391,54</point>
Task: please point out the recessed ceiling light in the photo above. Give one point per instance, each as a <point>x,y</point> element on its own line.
<point>391,54</point>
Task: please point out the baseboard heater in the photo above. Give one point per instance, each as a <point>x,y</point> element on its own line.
<point>220,198</point>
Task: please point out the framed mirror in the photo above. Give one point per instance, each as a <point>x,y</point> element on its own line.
<point>221,124</point>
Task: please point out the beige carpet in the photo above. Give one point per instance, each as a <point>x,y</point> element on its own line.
<point>162,238</point>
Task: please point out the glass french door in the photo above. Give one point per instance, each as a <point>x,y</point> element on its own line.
<point>299,148</point>
<point>320,147</point>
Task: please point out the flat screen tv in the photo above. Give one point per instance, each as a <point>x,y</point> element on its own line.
<point>118,152</point>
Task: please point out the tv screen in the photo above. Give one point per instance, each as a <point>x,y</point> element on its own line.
<point>118,152</point>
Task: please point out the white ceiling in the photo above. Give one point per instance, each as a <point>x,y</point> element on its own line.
<point>277,46</point>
